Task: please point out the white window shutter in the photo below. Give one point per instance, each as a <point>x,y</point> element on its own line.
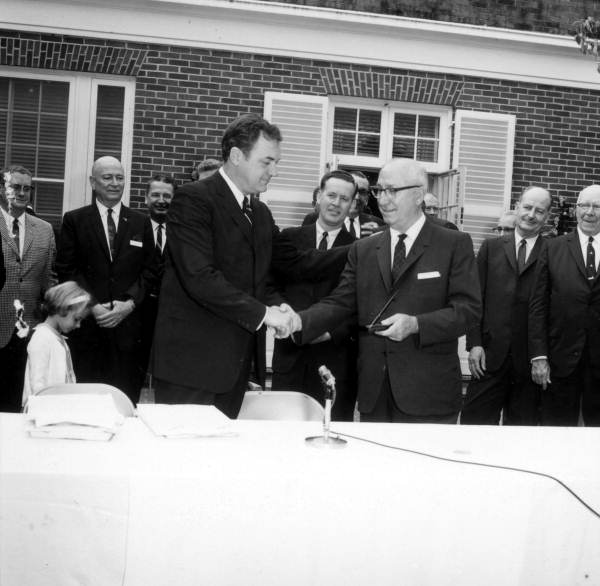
<point>302,120</point>
<point>483,151</point>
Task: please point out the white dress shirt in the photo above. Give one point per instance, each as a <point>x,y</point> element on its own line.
<point>104,215</point>
<point>529,244</point>
<point>239,196</point>
<point>331,235</point>
<point>155,226</point>
<point>411,235</point>
<point>9,224</point>
<point>583,242</point>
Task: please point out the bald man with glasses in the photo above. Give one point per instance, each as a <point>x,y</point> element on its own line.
<point>413,291</point>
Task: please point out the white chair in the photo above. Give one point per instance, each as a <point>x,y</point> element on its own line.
<point>122,401</point>
<point>280,405</point>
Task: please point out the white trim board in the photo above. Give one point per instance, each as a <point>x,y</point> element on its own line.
<point>303,32</point>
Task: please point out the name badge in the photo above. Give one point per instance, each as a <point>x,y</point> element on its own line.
<point>135,243</point>
<point>430,275</point>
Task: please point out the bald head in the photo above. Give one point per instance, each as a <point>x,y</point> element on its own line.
<point>588,210</point>
<point>108,180</point>
<point>401,208</point>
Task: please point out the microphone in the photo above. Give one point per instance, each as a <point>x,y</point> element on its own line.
<point>326,441</point>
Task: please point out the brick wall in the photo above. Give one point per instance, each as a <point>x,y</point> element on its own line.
<point>185,97</point>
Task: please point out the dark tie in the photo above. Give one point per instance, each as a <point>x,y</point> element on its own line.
<point>323,242</point>
<point>16,232</point>
<point>521,254</point>
<point>159,238</point>
<point>590,263</point>
<point>112,231</point>
<point>399,256</point>
<point>352,229</point>
<point>247,209</point>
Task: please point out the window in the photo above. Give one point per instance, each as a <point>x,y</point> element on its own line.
<point>367,134</point>
<point>47,125</point>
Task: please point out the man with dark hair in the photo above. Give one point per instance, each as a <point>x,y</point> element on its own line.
<point>213,300</point>
<point>498,358</point>
<point>159,194</point>
<point>296,367</point>
<point>205,169</point>
<point>104,246</point>
<point>28,251</point>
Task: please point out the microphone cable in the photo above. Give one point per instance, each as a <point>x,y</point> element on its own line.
<point>471,463</point>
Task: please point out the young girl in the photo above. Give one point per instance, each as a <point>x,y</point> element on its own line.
<point>48,356</point>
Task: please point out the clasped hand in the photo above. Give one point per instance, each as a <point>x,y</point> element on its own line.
<point>282,320</point>
<point>110,317</point>
<point>400,327</point>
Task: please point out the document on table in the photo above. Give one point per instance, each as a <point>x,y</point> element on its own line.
<point>182,421</point>
<point>76,416</point>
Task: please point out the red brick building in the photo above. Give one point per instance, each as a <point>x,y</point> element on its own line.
<point>154,82</point>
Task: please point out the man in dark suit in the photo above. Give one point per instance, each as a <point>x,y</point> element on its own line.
<point>431,207</point>
<point>159,194</point>
<point>28,251</point>
<point>296,367</point>
<point>104,247</point>
<point>498,356</point>
<point>412,290</point>
<point>213,300</point>
<point>359,222</point>
<point>564,320</point>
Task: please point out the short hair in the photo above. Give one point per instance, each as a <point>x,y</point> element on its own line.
<point>205,165</point>
<point>64,298</point>
<point>338,174</point>
<point>17,169</point>
<point>358,174</point>
<point>527,189</point>
<point>163,178</point>
<point>244,131</point>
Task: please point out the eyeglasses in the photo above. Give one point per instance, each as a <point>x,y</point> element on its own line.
<point>584,207</point>
<point>432,209</point>
<point>24,188</point>
<point>379,191</point>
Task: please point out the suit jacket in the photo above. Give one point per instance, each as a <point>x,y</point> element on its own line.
<point>156,267</point>
<point>83,254</point>
<point>565,307</point>
<point>336,352</point>
<point>363,218</point>
<point>505,295</point>
<point>213,293</point>
<point>28,277</point>
<point>441,222</point>
<point>439,285</point>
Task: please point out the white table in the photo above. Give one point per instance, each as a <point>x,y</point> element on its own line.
<point>263,509</point>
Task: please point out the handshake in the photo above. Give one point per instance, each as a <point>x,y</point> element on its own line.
<point>282,320</point>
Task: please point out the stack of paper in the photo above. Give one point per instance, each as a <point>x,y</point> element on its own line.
<point>77,416</point>
<point>181,421</point>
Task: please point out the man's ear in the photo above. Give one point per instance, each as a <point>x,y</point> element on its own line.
<point>235,155</point>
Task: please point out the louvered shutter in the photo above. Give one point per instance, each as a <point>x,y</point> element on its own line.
<point>483,151</point>
<point>302,121</point>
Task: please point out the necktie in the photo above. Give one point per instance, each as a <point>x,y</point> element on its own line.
<point>16,232</point>
<point>112,231</point>
<point>323,242</point>
<point>521,254</point>
<point>352,229</point>
<point>247,209</point>
<point>159,238</point>
<point>399,256</point>
<point>590,263</point>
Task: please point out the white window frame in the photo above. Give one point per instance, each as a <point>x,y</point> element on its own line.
<point>388,109</point>
<point>81,127</point>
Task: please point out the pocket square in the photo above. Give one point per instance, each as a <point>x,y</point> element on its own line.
<point>136,243</point>
<point>429,275</point>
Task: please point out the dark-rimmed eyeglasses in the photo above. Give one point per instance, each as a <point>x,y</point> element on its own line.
<point>379,191</point>
<point>584,207</point>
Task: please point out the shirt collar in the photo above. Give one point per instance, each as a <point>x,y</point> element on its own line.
<point>413,230</point>
<point>331,234</point>
<point>584,238</point>
<point>10,219</point>
<point>530,241</point>
<point>239,196</point>
<point>103,209</point>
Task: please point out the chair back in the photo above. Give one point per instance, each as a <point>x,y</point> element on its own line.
<point>280,405</point>
<point>122,401</point>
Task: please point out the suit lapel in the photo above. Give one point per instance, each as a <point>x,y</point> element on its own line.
<point>384,259</point>
<point>343,238</point>
<point>416,250</point>
<point>96,227</point>
<point>6,235</point>
<point>575,250</point>
<point>508,244</point>
<point>231,206</point>
<point>533,255</point>
<point>29,234</point>
<point>122,229</point>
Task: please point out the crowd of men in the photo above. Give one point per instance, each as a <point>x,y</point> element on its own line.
<point>373,284</point>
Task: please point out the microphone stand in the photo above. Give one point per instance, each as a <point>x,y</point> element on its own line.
<point>326,440</point>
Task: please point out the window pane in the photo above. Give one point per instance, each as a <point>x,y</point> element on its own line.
<point>48,202</point>
<point>109,121</point>
<point>368,145</point>
<point>3,93</point>
<point>369,121</point>
<point>344,119</point>
<point>55,97</point>
<point>404,147</point>
<point>24,128</point>
<point>427,150</point>
<point>405,124</point>
<point>27,94</point>
<point>429,126</point>
<point>343,143</point>
<point>51,162</point>
<point>23,155</point>
<point>53,130</point>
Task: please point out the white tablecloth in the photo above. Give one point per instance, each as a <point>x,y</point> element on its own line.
<point>263,509</point>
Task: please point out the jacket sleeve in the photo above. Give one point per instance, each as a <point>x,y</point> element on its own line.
<point>474,334</point>
<point>539,302</point>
